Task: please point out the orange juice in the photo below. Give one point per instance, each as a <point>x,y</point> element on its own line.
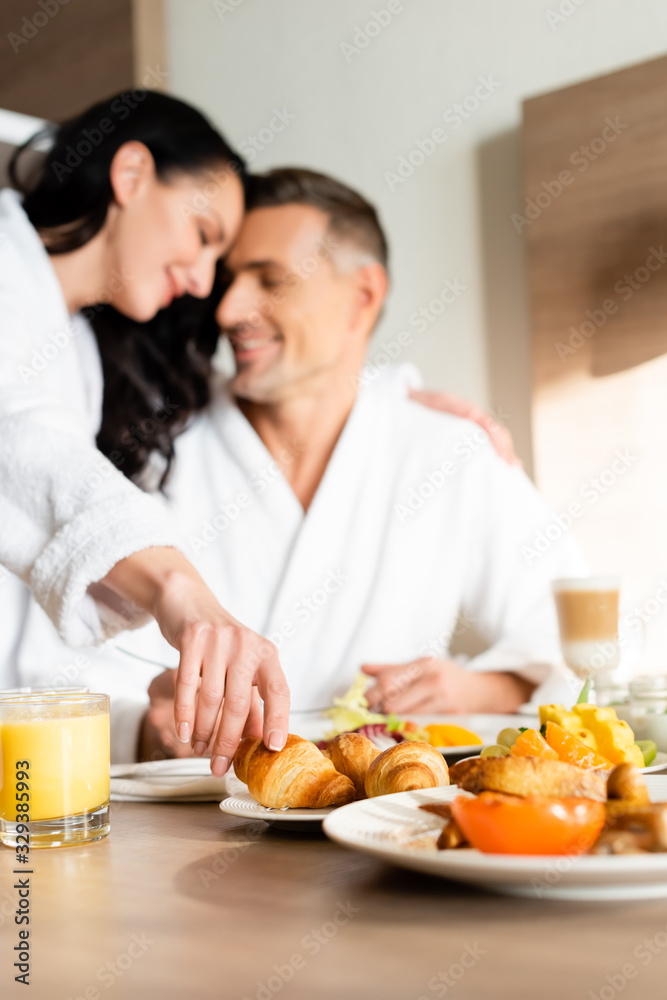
<point>69,764</point>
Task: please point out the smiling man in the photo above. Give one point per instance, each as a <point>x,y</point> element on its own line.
<point>352,526</point>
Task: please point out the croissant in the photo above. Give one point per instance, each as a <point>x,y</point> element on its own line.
<point>406,767</point>
<point>298,777</point>
<point>351,754</point>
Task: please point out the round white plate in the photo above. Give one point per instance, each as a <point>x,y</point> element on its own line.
<point>239,802</point>
<point>244,805</point>
<point>659,763</point>
<point>393,828</point>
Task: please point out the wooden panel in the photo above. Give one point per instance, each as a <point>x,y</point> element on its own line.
<point>56,60</point>
<point>595,225</point>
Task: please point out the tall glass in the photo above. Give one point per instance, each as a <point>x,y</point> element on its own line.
<point>54,768</point>
<point>588,620</point>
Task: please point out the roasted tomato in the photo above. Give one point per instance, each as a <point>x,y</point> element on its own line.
<point>507,824</point>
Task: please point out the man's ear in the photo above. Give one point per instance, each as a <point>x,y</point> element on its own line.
<point>132,169</point>
<point>372,283</point>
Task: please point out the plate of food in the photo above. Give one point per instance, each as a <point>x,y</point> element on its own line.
<point>586,735</point>
<point>452,735</point>
<point>524,826</point>
<point>303,784</point>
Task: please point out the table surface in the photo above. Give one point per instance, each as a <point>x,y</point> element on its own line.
<point>182,901</point>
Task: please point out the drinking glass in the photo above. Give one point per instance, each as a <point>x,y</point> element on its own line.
<point>588,621</point>
<point>54,768</point>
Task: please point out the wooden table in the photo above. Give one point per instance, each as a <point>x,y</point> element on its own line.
<point>183,902</point>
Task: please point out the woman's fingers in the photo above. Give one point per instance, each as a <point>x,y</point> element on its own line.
<point>187,680</point>
<point>219,658</point>
<point>253,726</point>
<point>256,663</point>
<point>273,688</point>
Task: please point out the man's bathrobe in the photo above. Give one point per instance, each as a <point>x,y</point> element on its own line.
<point>416,525</point>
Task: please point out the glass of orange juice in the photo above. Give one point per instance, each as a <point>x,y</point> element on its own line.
<point>54,768</point>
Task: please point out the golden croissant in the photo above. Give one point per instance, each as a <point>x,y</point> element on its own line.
<point>351,754</point>
<point>406,767</point>
<point>297,777</point>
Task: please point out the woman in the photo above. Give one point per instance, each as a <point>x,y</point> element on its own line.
<point>134,204</point>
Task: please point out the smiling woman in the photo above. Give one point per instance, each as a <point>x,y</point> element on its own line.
<point>132,207</point>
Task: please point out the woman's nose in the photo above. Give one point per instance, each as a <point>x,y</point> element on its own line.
<point>199,277</point>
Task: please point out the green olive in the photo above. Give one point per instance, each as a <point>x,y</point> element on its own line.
<point>495,750</point>
<point>508,737</point>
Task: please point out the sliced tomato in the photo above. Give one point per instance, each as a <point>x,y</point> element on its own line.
<point>507,824</point>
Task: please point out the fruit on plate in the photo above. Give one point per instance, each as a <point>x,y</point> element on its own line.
<point>573,750</point>
<point>496,823</point>
<point>649,751</point>
<point>614,738</point>
<point>445,735</point>
<point>562,716</point>
<point>532,744</point>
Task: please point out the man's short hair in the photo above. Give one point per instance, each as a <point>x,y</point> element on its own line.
<point>352,219</point>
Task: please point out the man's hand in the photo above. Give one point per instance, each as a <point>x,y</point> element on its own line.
<point>158,739</point>
<point>501,439</point>
<point>429,685</point>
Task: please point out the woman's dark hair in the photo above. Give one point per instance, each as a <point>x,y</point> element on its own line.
<point>156,378</point>
<point>68,199</point>
<point>156,373</point>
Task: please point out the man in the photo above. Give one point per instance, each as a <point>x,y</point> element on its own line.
<point>345,522</point>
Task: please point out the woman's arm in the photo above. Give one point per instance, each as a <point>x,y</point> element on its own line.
<point>233,662</point>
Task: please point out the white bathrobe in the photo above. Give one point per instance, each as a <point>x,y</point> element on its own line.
<point>67,515</point>
<point>416,525</point>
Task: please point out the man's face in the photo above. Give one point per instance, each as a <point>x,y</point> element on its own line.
<point>289,314</point>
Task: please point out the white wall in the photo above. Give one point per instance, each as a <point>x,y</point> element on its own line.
<point>357,112</point>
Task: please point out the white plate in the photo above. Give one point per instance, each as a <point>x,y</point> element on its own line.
<point>239,802</point>
<point>659,763</point>
<point>392,827</point>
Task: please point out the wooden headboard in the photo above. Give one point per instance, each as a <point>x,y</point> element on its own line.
<point>595,227</point>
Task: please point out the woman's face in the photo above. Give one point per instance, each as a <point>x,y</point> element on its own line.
<point>164,237</point>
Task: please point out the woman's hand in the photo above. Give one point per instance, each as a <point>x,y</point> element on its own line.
<point>223,665</point>
<point>501,439</point>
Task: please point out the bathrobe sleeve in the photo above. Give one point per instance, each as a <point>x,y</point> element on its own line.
<point>518,546</point>
<point>67,514</point>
